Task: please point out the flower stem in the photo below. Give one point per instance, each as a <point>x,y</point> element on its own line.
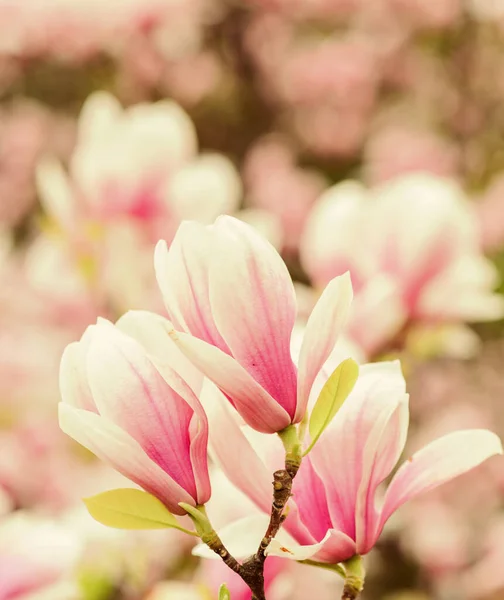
<point>354,578</point>
<point>252,569</point>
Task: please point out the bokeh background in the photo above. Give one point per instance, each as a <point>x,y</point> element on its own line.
<point>354,134</point>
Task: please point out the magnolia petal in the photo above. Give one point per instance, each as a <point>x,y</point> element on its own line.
<point>232,450</point>
<point>241,538</point>
<point>333,548</point>
<point>130,392</point>
<point>311,502</point>
<point>378,314</point>
<point>337,548</point>
<point>381,453</point>
<point>463,292</point>
<point>55,192</point>
<point>205,188</point>
<point>73,382</point>
<point>99,114</point>
<point>321,334</point>
<point>152,331</point>
<point>257,318</point>
<point>323,254</point>
<point>441,460</point>
<point>114,446</point>
<point>198,434</point>
<point>367,410</point>
<point>183,278</point>
<point>254,404</point>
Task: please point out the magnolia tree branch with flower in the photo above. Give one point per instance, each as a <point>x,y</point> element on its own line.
<point>154,397</point>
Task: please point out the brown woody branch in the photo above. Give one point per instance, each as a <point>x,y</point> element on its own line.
<point>252,569</point>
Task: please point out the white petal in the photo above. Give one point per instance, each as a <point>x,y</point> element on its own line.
<point>321,334</point>
<point>241,538</point>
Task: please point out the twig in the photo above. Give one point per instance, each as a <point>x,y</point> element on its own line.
<point>252,569</point>
<point>282,491</point>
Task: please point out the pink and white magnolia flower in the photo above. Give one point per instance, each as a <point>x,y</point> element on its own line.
<point>140,164</point>
<point>231,299</point>
<point>412,248</point>
<point>337,509</point>
<point>135,413</point>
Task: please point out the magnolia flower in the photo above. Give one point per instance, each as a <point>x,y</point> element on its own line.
<point>412,248</point>
<point>232,302</point>
<point>337,510</point>
<point>139,163</point>
<point>136,414</point>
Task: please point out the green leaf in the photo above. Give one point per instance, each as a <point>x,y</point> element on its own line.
<point>128,508</point>
<point>334,393</point>
<point>224,593</point>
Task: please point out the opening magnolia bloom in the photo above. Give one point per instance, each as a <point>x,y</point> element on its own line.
<point>412,248</point>
<point>336,511</point>
<point>231,299</point>
<point>135,413</point>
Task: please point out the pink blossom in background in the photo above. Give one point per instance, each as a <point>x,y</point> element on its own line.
<point>119,404</point>
<point>240,337</point>
<point>395,150</point>
<point>490,207</point>
<point>27,130</point>
<point>133,176</point>
<point>74,30</point>
<point>141,164</point>
<point>316,9</point>
<point>277,185</point>
<point>335,512</point>
<point>418,14</point>
<point>36,556</point>
<point>327,87</point>
<point>484,578</point>
<point>129,561</point>
<point>412,243</point>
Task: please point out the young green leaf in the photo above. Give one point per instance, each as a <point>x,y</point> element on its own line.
<point>224,593</point>
<point>128,508</point>
<point>335,391</point>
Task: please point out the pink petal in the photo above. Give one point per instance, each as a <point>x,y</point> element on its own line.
<point>198,433</point>
<point>440,461</point>
<point>254,306</point>
<point>152,331</point>
<point>254,404</point>
<point>336,548</point>
<point>231,450</point>
<point>310,498</point>
<point>183,277</point>
<point>377,315</point>
<point>114,446</point>
<point>130,392</point>
<point>321,334</point>
<point>342,455</point>
<point>382,451</point>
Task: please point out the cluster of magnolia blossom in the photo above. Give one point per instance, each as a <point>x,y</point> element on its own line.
<point>134,395</point>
